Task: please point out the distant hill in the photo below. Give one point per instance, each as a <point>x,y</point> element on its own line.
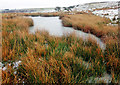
<point>27,10</point>
<point>79,7</point>
<point>95,5</point>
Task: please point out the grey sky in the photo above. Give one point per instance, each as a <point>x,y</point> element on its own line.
<point>42,3</point>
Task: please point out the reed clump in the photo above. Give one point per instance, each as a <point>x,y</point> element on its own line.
<point>13,15</point>
<point>90,24</point>
<point>51,14</point>
<point>50,59</point>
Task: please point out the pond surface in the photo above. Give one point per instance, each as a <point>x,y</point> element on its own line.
<point>54,26</point>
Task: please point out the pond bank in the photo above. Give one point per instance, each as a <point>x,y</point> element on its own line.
<point>54,26</point>
<point>90,24</point>
<point>52,59</point>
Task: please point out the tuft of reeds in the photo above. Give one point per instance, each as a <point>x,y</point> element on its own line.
<point>50,59</point>
<point>89,24</point>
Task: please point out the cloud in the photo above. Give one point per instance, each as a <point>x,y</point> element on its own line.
<point>42,3</point>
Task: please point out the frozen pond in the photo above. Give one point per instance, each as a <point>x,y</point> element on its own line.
<point>54,26</point>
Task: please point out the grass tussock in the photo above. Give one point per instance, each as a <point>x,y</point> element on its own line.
<point>90,24</point>
<point>107,8</point>
<point>13,15</point>
<point>51,14</point>
<point>11,29</point>
<point>49,59</point>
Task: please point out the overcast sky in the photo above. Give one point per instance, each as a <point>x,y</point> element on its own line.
<point>15,4</point>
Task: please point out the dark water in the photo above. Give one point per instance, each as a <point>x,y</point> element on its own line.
<point>54,26</point>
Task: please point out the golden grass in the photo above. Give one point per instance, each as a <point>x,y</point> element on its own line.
<point>107,8</point>
<point>14,15</point>
<point>11,27</point>
<point>0,47</point>
<point>90,23</point>
<point>97,26</point>
<point>49,59</point>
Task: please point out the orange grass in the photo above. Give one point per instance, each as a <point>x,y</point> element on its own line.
<point>49,59</point>
<point>13,15</point>
<point>90,24</point>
